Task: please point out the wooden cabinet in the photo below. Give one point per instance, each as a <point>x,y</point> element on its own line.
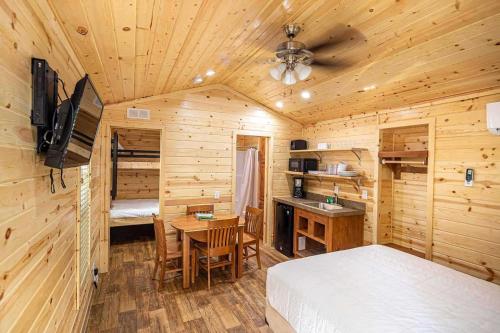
<point>325,234</point>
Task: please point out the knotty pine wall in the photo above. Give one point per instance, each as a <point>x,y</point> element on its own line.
<point>138,184</point>
<point>37,229</point>
<point>466,221</point>
<point>198,129</point>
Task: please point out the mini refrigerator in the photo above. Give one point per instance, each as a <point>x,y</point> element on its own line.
<point>284,229</point>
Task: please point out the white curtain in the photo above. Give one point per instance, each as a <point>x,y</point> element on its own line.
<point>248,186</point>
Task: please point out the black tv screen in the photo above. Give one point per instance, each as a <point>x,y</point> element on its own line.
<point>77,124</point>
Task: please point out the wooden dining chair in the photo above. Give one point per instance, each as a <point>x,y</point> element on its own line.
<point>168,253</point>
<point>219,250</point>
<point>251,236</point>
<point>193,209</point>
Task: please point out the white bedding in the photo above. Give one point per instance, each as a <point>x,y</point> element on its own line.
<point>134,208</point>
<point>379,289</point>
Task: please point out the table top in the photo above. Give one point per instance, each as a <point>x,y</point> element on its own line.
<point>189,223</point>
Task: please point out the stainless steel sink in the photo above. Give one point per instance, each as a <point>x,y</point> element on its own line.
<point>323,205</point>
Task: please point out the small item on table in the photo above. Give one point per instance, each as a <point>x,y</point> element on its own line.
<point>324,146</point>
<point>204,216</point>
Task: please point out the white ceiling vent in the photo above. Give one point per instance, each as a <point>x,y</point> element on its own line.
<point>133,113</point>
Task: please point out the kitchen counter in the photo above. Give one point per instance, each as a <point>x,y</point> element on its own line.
<point>299,203</point>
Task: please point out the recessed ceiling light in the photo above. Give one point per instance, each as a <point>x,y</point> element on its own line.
<point>210,72</point>
<point>280,104</point>
<point>197,79</point>
<point>305,94</point>
<point>371,87</point>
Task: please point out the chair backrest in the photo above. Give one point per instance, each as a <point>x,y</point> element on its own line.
<point>193,209</point>
<point>221,237</point>
<point>253,221</point>
<point>161,240</point>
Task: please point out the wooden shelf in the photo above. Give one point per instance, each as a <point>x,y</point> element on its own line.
<point>355,151</point>
<point>310,175</point>
<point>404,154</point>
<point>310,252</point>
<point>356,180</point>
<point>308,235</point>
<point>139,165</point>
<point>325,150</point>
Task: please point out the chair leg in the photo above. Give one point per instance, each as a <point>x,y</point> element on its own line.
<point>208,272</point>
<point>257,252</point>
<point>157,259</point>
<point>233,267</point>
<point>162,275</point>
<point>193,266</point>
<point>197,264</point>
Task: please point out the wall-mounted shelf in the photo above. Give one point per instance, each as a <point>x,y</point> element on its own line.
<point>139,165</point>
<point>355,180</point>
<point>404,154</point>
<point>317,152</point>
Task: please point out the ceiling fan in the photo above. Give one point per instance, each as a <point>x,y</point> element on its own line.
<point>297,61</point>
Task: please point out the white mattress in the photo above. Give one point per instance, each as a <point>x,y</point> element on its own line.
<point>134,208</point>
<point>380,289</point>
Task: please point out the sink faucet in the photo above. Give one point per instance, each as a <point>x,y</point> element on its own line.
<point>335,198</point>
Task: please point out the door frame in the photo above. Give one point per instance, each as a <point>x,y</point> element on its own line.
<point>268,183</point>
<point>106,175</point>
<point>431,128</point>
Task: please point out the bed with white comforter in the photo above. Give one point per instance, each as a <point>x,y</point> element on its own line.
<point>379,289</point>
<point>133,211</point>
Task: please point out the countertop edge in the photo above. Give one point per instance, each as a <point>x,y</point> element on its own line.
<point>337,213</point>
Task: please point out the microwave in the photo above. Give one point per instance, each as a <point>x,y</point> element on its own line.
<point>302,164</point>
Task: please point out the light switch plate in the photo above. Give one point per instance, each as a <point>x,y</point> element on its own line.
<point>469,177</point>
<point>364,194</point>
<point>217,194</point>
<point>336,189</point>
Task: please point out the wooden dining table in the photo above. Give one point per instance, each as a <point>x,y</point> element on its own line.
<point>192,228</point>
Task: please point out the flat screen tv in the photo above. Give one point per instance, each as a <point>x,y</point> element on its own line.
<point>77,123</point>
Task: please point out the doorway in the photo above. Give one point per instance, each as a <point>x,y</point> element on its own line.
<point>250,174</point>
<point>405,186</point>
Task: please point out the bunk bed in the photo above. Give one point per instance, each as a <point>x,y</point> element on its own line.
<point>131,211</point>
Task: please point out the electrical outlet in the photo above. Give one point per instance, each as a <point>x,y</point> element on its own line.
<point>217,194</point>
<point>364,194</point>
<point>336,189</point>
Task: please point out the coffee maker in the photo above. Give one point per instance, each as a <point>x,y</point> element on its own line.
<point>298,188</point>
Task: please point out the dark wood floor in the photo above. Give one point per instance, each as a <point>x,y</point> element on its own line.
<point>128,301</point>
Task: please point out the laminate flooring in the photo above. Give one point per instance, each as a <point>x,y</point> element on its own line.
<point>128,300</point>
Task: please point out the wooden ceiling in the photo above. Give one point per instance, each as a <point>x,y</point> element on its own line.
<point>412,51</point>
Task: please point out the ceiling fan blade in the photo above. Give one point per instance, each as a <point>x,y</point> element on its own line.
<point>339,36</point>
<point>333,63</point>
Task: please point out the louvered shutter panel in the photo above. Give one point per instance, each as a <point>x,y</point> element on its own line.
<point>84,222</point>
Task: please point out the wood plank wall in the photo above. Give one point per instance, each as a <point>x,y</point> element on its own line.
<point>198,129</point>
<point>138,184</point>
<point>466,232</point>
<point>37,228</point>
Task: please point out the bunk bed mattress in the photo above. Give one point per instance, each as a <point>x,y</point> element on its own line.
<point>379,289</point>
<point>134,208</point>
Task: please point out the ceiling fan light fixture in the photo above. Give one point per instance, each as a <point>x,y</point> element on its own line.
<point>303,71</point>
<point>279,104</point>
<point>289,78</point>
<point>277,71</point>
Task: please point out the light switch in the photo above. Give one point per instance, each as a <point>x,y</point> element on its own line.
<point>469,177</point>
<point>336,189</point>
<point>364,194</point>
<point>217,194</point>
